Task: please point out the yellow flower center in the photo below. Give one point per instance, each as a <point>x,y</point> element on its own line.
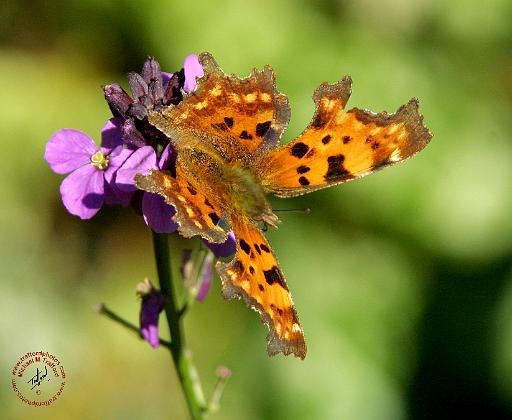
<point>99,160</point>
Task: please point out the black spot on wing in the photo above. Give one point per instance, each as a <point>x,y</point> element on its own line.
<point>302,169</point>
<point>299,149</point>
<point>245,246</point>
<point>214,217</point>
<point>303,181</point>
<point>274,276</point>
<point>245,135</point>
<point>257,248</point>
<point>229,121</point>
<point>262,128</point>
<point>326,139</point>
<point>346,139</point>
<point>335,169</point>
<point>191,190</point>
<point>265,248</point>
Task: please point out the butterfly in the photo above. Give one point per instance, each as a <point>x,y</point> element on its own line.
<point>226,134</point>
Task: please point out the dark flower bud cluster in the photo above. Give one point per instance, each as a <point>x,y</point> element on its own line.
<point>151,91</point>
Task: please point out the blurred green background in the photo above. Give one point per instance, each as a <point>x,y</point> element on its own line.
<point>402,280</point>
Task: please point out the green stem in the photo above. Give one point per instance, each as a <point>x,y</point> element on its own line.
<point>182,358</point>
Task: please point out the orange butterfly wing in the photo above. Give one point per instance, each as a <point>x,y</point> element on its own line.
<point>237,117</point>
<point>195,213</point>
<point>254,276</point>
<point>340,145</point>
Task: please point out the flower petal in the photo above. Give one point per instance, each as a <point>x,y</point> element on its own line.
<point>82,191</point>
<point>166,77</point>
<point>158,214</point>
<point>114,195</point>
<point>152,305</point>
<point>131,136</point>
<point>116,159</point>
<point>140,162</point>
<point>69,149</point>
<point>118,100</point>
<point>167,158</point>
<point>206,278</point>
<point>150,334</point>
<point>111,135</point>
<point>224,249</point>
<point>193,70</point>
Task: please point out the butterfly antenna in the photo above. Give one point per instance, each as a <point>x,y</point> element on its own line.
<point>305,210</point>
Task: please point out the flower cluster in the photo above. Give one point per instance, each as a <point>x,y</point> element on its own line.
<point>130,145</point>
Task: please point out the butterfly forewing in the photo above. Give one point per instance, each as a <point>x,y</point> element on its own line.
<point>340,145</point>
<point>238,117</point>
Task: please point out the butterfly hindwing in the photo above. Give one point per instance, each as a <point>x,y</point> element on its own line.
<point>195,213</point>
<point>340,145</point>
<point>236,116</point>
<point>254,275</point>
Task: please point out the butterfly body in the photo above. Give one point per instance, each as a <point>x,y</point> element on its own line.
<point>229,181</point>
<point>226,134</point>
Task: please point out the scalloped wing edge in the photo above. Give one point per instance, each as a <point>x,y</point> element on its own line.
<point>408,114</point>
<point>282,106</point>
<point>274,344</point>
<point>185,228</point>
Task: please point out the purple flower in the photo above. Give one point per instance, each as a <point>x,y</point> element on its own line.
<point>205,278</point>
<point>128,147</point>
<point>156,212</point>
<point>91,169</point>
<point>193,69</point>
<point>153,302</point>
<point>223,249</point>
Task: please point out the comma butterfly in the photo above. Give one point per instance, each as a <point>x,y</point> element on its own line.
<point>226,134</point>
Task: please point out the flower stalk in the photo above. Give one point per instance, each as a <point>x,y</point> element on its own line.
<point>181,356</point>
<point>105,174</point>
